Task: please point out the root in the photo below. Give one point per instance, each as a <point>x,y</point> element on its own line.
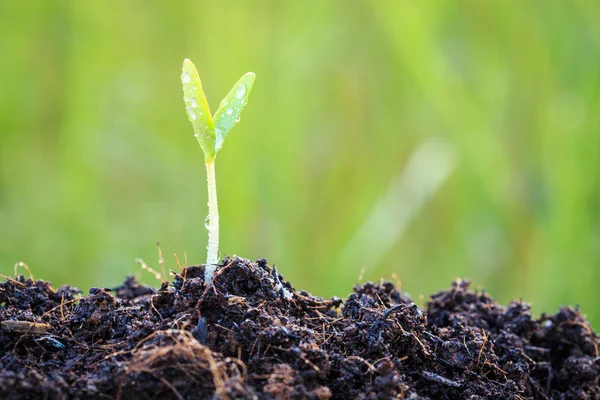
<point>22,264</point>
<point>177,350</point>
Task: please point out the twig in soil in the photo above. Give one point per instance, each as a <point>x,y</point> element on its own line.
<point>154,308</point>
<point>440,379</point>
<point>496,367</point>
<point>370,366</point>
<point>70,335</point>
<point>373,329</point>
<point>177,260</point>
<point>253,347</point>
<point>25,327</point>
<point>147,268</point>
<point>467,347</point>
<point>240,363</point>
<point>231,331</point>
<point>300,354</point>
<point>62,301</point>
<point>221,270</point>
<point>184,323</point>
<point>333,302</point>
<point>88,349</point>
<point>330,336</point>
<point>68,302</point>
<point>537,388</point>
<point>169,385</point>
<point>531,360</point>
<point>266,350</point>
<point>161,262</point>
<point>22,264</point>
<point>485,339</point>
<point>421,343</point>
<point>8,278</point>
<point>379,298</point>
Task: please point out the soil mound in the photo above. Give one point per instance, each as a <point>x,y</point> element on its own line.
<point>250,335</point>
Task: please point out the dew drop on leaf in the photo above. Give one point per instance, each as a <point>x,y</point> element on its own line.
<point>240,91</point>
<point>193,102</point>
<point>207,222</point>
<point>185,77</point>
<point>229,111</point>
<point>219,139</point>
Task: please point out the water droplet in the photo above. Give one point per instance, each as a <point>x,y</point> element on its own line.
<point>195,135</point>
<point>237,120</point>
<point>193,103</point>
<point>185,77</point>
<point>240,92</point>
<point>207,222</point>
<point>223,103</point>
<point>185,98</point>
<point>219,141</point>
<point>229,111</point>
<point>191,114</point>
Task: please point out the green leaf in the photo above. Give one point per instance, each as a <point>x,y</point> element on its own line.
<point>198,110</point>
<point>231,107</point>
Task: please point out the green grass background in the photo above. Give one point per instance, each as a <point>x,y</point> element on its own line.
<point>98,161</point>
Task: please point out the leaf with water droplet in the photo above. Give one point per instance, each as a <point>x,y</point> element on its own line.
<point>231,107</point>
<point>198,110</point>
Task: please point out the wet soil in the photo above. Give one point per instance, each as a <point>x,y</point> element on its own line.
<point>252,336</point>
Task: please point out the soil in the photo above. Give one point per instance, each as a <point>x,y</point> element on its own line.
<point>250,335</point>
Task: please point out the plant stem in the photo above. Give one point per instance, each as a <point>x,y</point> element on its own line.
<point>212,255</point>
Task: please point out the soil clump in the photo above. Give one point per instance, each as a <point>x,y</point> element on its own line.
<point>251,335</point>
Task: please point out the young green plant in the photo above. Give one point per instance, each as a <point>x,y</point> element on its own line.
<point>210,131</point>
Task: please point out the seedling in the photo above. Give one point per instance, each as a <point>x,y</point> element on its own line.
<point>210,131</point>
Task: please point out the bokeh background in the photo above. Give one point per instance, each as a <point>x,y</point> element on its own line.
<point>430,140</point>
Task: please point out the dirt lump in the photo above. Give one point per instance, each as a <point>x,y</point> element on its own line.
<point>251,335</point>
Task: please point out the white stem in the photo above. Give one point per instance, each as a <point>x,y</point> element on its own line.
<point>212,255</point>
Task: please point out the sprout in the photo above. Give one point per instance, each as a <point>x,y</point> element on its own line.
<point>210,132</point>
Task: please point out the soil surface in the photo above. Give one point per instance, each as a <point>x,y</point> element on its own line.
<point>250,335</point>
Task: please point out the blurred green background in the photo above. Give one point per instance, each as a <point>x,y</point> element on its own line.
<point>432,140</point>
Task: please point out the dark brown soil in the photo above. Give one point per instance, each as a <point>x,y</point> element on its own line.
<point>251,335</point>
